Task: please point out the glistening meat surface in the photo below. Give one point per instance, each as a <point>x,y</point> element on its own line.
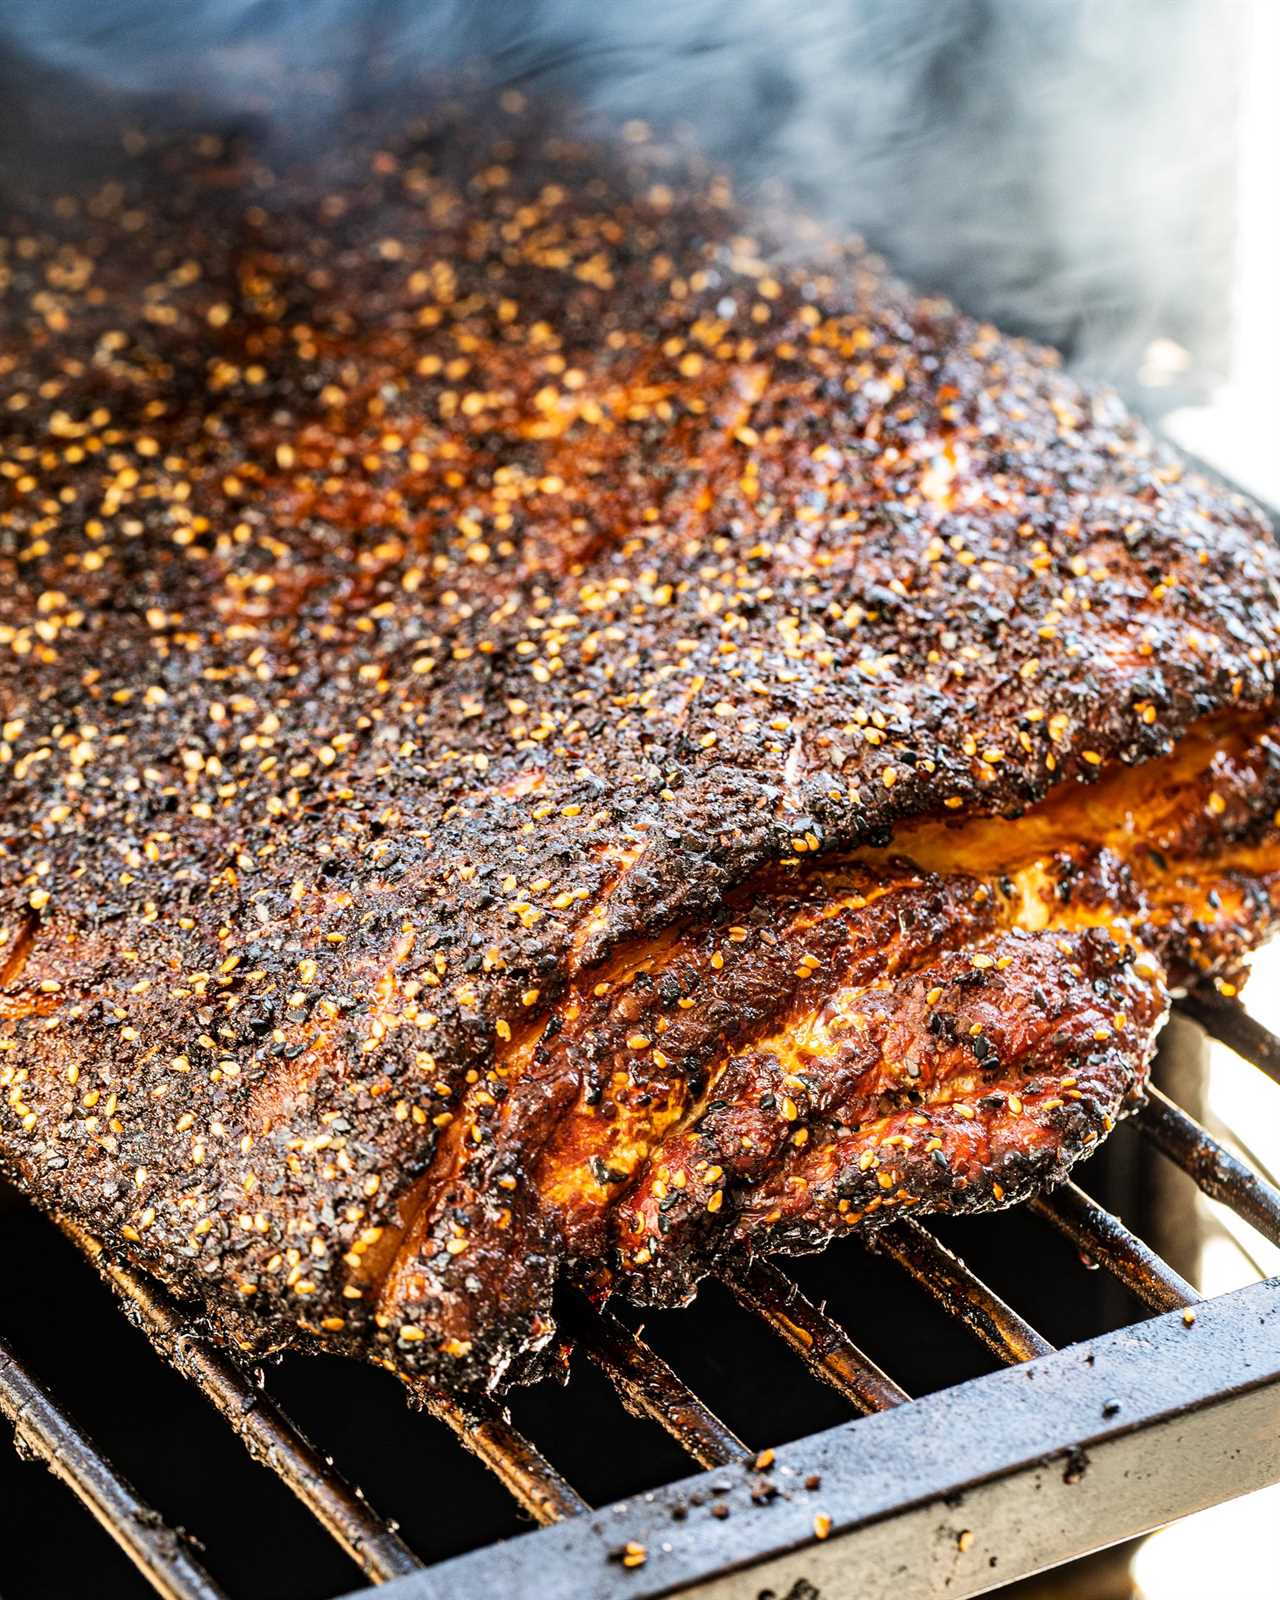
<point>551,730</point>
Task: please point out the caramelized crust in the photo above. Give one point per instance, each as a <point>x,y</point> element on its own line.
<point>539,741</point>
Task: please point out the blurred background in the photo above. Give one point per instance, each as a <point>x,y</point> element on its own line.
<point>1099,174</point>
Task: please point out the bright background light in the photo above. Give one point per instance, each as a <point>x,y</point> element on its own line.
<point>1239,431</point>
<point>1232,1549</point>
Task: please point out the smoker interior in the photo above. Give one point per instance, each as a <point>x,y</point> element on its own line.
<point>62,1326</point>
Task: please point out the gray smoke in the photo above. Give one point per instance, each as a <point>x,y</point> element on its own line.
<point>1061,166</point>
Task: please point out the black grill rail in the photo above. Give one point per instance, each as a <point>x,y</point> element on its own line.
<point>45,1433</point>
<point>645,1383</point>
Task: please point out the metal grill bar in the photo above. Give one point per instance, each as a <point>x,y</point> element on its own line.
<point>1106,1239</point>
<point>158,1552</point>
<point>823,1345</point>
<point>961,1292</point>
<point>649,1388</point>
<point>486,1430</point>
<point>1228,1022</point>
<point>1023,1468</point>
<point>1216,1171</point>
<point>273,1439</point>
<point>265,1430</point>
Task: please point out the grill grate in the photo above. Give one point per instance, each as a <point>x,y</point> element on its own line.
<point>46,1434</point>
<point>266,1431</point>
<point>824,1346</point>
<point>1215,1171</point>
<point>1108,1242</point>
<point>649,1388</point>
<point>645,1383</point>
<point>962,1295</point>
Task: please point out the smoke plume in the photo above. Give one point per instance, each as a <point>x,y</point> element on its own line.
<point>1060,166</point>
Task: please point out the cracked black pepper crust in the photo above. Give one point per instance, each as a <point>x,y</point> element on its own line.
<point>428,569</point>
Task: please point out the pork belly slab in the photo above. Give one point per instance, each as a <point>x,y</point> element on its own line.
<point>555,729</point>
